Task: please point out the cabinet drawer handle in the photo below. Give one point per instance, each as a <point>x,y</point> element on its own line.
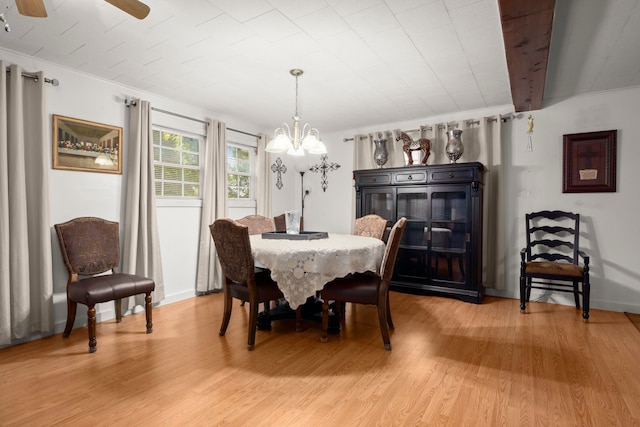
<point>410,178</point>
<point>451,175</point>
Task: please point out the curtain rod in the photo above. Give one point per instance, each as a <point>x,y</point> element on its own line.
<point>467,122</point>
<point>128,102</point>
<point>54,82</point>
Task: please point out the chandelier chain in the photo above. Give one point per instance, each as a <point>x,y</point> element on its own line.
<point>294,140</point>
<point>296,96</point>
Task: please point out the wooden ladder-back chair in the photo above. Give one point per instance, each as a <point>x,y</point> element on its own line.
<point>240,279</point>
<point>367,288</point>
<point>370,225</point>
<point>90,247</point>
<point>551,259</point>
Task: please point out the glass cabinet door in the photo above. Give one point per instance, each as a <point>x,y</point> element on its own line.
<point>379,201</point>
<point>447,235</point>
<point>412,203</point>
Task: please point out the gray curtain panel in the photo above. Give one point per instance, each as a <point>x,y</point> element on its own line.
<point>214,206</point>
<point>141,252</point>
<point>26,281</point>
<point>263,177</point>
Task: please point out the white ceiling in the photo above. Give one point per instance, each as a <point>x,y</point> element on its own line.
<point>365,62</point>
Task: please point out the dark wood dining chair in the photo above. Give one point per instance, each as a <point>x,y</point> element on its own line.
<point>233,247</point>
<point>367,288</point>
<point>551,259</point>
<point>90,247</point>
<point>371,225</point>
<point>281,223</point>
<point>258,224</point>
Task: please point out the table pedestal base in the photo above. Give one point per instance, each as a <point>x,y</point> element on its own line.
<point>310,310</point>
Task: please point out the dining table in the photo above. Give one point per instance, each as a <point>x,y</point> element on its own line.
<point>301,267</point>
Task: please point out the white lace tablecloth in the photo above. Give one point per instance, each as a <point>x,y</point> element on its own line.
<point>302,267</point>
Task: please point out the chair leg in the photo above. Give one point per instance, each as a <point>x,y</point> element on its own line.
<point>91,325</point>
<point>253,323</point>
<point>576,294</point>
<point>147,310</point>
<point>389,320</point>
<point>586,290</point>
<point>118,304</point>
<point>71,317</point>
<point>384,327</point>
<point>325,321</point>
<point>340,310</point>
<point>523,290</point>
<point>228,305</point>
<point>529,283</point>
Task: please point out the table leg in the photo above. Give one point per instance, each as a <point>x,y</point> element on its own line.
<point>299,319</point>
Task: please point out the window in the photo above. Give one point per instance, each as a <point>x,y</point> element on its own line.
<point>176,158</point>
<point>240,161</point>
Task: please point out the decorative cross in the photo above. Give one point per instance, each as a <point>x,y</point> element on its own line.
<point>587,153</point>
<point>323,167</point>
<point>279,168</point>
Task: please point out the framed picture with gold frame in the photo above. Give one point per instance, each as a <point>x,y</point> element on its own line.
<point>589,162</point>
<point>81,145</point>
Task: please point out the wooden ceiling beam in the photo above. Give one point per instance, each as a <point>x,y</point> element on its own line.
<point>526,29</point>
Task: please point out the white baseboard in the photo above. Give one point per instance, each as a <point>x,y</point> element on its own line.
<point>565,299</point>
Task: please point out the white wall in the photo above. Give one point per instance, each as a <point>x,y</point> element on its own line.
<point>609,228</point>
<point>533,181</point>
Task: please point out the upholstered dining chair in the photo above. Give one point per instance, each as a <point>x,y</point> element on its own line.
<point>551,259</point>
<point>281,223</point>
<point>258,224</point>
<point>367,288</point>
<point>370,225</point>
<point>90,247</point>
<point>233,247</point>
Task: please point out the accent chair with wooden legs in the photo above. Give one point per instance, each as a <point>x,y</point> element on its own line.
<point>90,248</point>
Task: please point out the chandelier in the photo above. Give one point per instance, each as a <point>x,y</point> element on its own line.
<point>295,140</point>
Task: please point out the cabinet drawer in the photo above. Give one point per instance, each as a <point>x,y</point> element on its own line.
<point>452,175</point>
<point>373,179</point>
<point>410,177</point>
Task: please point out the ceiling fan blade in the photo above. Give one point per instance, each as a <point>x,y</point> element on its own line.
<point>33,8</point>
<point>132,7</point>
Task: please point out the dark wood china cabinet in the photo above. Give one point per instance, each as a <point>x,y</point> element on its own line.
<point>441,249</point>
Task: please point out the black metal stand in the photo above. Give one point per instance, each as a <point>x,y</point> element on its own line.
<point>302,192</point>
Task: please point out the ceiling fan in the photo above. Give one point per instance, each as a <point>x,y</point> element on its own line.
<point>36,9</point>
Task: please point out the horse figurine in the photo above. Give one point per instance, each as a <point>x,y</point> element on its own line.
<point>409,145</point>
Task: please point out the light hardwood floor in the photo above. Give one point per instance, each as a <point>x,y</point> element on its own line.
<point>452,363</point>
